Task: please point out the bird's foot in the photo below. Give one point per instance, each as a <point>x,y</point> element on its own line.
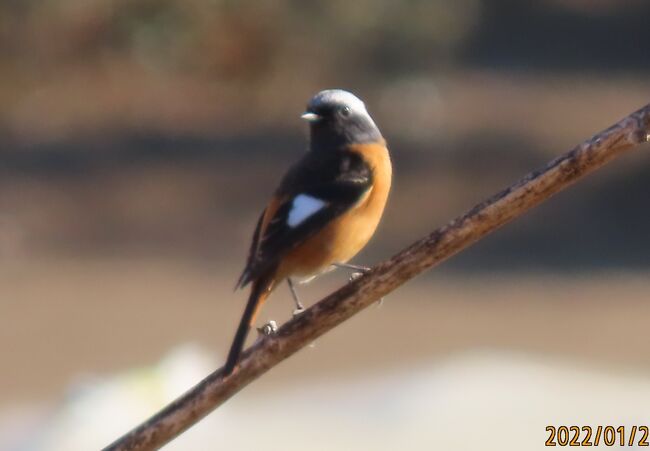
<point>268,329</point>
<point>358,270</point>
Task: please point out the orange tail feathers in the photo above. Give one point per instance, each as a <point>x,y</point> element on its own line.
<point>260,290</point>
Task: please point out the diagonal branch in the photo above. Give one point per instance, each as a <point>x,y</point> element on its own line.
<point>443,243</point>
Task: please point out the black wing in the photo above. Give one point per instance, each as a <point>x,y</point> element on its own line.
<point>338,179</point>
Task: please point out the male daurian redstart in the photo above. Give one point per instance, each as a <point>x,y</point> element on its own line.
<point>326,208</point>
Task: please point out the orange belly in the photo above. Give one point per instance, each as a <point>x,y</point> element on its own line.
<point>345,236</point>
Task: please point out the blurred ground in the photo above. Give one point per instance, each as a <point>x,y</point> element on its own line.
<point>132,312</point>
<point>497,354</point>
<point>472,399</point>
<point>138,141</point>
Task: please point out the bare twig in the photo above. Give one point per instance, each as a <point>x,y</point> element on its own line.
<point>386,277</point>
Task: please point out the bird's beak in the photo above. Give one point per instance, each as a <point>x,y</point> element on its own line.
<point>310,117</point>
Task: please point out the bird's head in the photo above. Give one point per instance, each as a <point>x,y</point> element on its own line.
<point>337,118</point>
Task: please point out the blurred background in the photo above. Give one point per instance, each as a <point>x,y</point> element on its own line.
<point>139,140</point>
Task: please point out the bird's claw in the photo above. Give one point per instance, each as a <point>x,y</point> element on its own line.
<point>299,310</point>
<point>358,272</point>
<point>268,329</point>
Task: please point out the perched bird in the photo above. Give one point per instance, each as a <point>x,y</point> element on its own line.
<point>326,208</point>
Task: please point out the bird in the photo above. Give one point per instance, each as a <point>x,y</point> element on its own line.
<point>325,209</point>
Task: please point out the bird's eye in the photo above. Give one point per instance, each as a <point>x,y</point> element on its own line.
<point>345,111</point>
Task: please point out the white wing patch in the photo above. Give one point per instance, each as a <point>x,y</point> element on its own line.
<point>303,207</point>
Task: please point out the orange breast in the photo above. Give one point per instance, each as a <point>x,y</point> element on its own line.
<point>345,236</point>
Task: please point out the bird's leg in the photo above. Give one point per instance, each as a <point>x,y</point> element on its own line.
<point>299,307</point>
<point>359,268</point>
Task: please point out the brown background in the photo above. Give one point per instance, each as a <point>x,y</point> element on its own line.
<point>139,140</point>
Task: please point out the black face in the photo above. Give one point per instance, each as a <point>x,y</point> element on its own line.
<point>331,111</point>
<point>338,118</point>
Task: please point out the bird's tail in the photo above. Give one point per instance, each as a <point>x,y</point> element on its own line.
<point>260,290</point>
